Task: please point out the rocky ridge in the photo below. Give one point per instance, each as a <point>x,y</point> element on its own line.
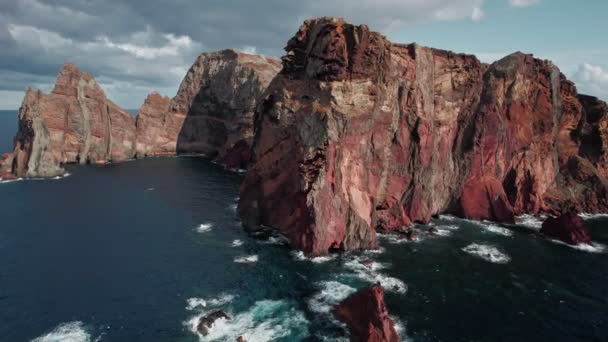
<point>212,114</point>
<point>357,134</point>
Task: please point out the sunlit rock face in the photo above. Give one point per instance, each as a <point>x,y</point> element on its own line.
<point>357,134</point>
<point>212,112</point>
<point>75,123</point>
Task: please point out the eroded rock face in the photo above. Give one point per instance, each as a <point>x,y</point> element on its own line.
<point>568,227</point>
<point>75,123</point>
<point>212,112</point>
<point>366,316</point>
<point>357,134</point>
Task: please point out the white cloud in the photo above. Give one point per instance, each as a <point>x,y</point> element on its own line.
<point>523,3</point>
<point>592,80</point>
<point>172,46</point>
<point>477,14</point>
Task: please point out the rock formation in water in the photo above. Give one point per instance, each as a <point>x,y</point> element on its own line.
<point>75,123</point>
<point>366,316</point>
<point>357,134</point>
<point>206,322</point>
<point>212,112</point>
<point>568,227</point>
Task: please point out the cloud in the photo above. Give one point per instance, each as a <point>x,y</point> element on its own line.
<point>523,3</point>
<point>137,46</point>
<point>592,79</point>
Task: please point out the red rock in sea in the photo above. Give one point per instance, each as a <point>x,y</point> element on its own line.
<point>568,227</point>
<point>366,316</point>
<point>357,134</point>
<point>75,123</point>
<point>212,112</point>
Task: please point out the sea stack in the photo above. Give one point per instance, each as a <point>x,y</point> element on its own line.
<point>213,110</point>
<point>366,316</point>
<point>358,134</point>
<point>75,123</point>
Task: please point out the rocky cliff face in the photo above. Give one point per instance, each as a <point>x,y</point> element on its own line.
<point>75,123</point>
<point>212,112</point>
<point>357,134</point>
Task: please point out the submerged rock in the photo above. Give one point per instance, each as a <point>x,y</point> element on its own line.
<point>357,133</point>
<point>568,227</point>
<point>206,322</point>
<point>366,316</point>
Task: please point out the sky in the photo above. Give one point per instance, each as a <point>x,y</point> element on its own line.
<point>134,47</point>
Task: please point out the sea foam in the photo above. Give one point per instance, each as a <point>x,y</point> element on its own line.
<point>266,320</point>
<point>204,227</point>
<point>487,252</point>
<point>246,259</point>
<point>66,332</point>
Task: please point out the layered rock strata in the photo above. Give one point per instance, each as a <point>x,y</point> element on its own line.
<point>212,112</point>
<point>75,123</point>
<point>358,134</point>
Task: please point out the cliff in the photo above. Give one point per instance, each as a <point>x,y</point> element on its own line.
<point>75,123</point>
<point>357,134</point>
<point>212,112</point>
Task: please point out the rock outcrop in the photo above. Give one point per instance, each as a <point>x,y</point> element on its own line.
<point>75,123</point>
<point>568,227</point>
<point>357,134</point>
<point>212,112</point>
<point>366,316</point>
<point>206,322</point>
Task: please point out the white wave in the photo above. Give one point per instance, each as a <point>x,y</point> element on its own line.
<point>368,270</point>
<point>330,294</point>
<point>497,229</point>
<point>2,181</point>
<point>66,332</point>
<point>593,247</point>
<point>150,189</point>
<point>487,252</point>
<point>530,221</point>
<point>299,255</point>
<point>394,238</point>
<point>236,243</point>
<point>443,232</point>
<point>277,240</point>
<point>247,259</point>
<point>448,217</point>
<point>586,216</point>
<point>266,320</point>
<point>194,303</point>
<point>233,207</point>
<point>204,227</point>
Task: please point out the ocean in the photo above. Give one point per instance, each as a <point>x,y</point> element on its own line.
<point>138,251</point>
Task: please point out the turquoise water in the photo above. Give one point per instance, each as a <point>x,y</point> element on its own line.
<point>130,252</point>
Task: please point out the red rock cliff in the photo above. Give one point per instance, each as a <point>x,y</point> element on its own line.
<point>357,134</point>
<point>75,123</point>
<point>366,316</point>
<point>212,112</point>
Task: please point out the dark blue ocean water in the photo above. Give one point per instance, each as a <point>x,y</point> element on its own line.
<point>130,252</point>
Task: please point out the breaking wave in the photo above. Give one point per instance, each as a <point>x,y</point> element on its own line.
<point>530,221</point>
<point>369,271</point>
<point>593,247</point>
<point>266,320</point>
<point>204,227</point>
<point>194,303</point>
<point>299,255</point>
<point>236,243</point>
<point>247,259</point>
<point>586,216</point>
<point>66,332</point>
<point>330,293</point>
<point>487,252</point>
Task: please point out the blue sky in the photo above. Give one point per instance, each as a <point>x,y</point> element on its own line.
<point>134,47</point>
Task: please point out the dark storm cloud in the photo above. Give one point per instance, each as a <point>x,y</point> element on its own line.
<point>147,45</point>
